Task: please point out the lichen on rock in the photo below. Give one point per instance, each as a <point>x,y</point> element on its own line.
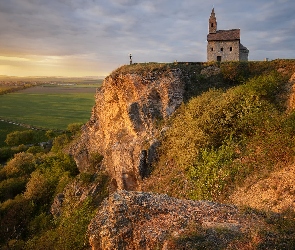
<point>138,220</point>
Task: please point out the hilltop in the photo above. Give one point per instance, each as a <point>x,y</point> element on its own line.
<point>174,156</point>
<point>201,131</point>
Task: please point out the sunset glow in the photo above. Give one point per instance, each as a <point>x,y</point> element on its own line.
<point>82,38</point>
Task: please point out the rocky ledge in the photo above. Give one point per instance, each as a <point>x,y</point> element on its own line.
<point>137,220</point>
<point>123,125</point>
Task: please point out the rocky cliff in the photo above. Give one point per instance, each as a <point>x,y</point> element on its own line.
<point>136,220</point>
<point>123,125</point>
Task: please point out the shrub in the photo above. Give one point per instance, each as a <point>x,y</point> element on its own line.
<point>74,127</point>
<point>60,142</point>
<point>40,223</point>
<point>38,187</point>
<point>19,137</point>
<point>201,161</point>
<point>15,216</point>
<point>21,165</point>
<point>5,153</point>
<point>9,188</point>
<point>213,170</point>
<point>69,232</point>
<point>53,172</point>
<point>72,229</point>
<point>95,161</point>
<point>235,72</point>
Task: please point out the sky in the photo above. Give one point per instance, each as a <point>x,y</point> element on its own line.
<point>94,37</point>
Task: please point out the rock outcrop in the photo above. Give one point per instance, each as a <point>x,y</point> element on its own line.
<point>291,92</point>
<point>124,128</point>
<point>123,125</point>
<point>137,220</point>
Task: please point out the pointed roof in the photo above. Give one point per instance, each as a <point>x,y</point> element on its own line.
<point>212,13</point>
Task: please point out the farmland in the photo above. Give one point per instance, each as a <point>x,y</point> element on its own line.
<point>50,106</point>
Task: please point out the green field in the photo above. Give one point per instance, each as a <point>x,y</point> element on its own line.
<point>52,107</point>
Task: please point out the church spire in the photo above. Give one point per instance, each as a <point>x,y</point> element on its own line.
<point>212,22</point>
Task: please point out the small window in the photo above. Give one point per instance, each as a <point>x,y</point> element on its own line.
<point>211,49</point>
<point>218,58</point>
<point>212,25</point>
<point>221,49</point>
<point>230,48</point>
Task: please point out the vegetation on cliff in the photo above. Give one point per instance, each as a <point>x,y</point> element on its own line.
<point>232,132</point>
<point>29,184</point>
<point>223,136</point>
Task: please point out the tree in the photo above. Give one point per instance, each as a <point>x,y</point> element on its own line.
<point>19,137</point>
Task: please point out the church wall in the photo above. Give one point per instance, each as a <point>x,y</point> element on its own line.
<point>244,55</point>
<point>222,49</point>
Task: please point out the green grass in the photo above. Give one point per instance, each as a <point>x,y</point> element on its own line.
<point>219,138</point>
<point>52,108</point>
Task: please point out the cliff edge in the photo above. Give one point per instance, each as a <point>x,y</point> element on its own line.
<point>133,110</point>
<point>123,124</point>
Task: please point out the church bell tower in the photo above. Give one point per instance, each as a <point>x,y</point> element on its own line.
<point>212,23</point>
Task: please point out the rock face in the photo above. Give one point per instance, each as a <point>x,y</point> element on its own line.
<point>123,124</point>
<point>291,91</point>
<point>137,220</point>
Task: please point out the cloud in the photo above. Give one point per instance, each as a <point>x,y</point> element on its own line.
<point>101,33</point>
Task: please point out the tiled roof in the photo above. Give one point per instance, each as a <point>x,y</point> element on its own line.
<point>224,35</point>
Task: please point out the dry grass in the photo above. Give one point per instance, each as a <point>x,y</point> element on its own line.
<point>275,192</point>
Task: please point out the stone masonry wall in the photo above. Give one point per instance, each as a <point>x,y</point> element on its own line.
<point>222,48</point>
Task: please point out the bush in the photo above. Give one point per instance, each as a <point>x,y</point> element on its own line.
<point>22,164</point>
<point>74,128</point>
<point>38,187</point>
<point>235,72</point>
<point>213,171</point>
<point>53,171</point>
<point>15,215</point>
<point>72,229</point>
<point>35,150</point>
<point>5,153</point>
<point>197,158</point>
<point>20,137</point>
<point>69,233</point>
<point>60,142</point>
<point>9,188</point>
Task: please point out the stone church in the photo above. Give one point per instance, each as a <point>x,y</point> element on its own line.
<point>224,45</point>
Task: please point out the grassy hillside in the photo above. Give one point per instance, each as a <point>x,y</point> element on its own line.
<point>234,126</point>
